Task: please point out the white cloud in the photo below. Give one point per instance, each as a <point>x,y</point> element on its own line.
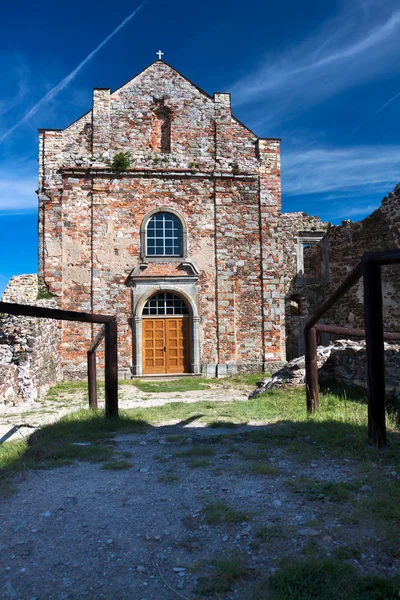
<point>359,170</point>
<point>67,80</point>
<point>361,209</point>
<point>392,99</point>
<point>17,192</point>
<point>16,74</point>
<point>361,44</point>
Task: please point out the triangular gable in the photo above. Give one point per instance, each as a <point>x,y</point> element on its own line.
<point>176,72</point>
<point>151,66</point>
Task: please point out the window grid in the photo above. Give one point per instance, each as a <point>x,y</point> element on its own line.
<point>165,304</point>
<point>164,235</point>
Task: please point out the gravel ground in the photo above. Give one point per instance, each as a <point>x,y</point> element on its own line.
<point>82,532</point>
<point>144,532</point>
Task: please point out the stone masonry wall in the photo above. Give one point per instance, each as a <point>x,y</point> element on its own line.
<point>29,362</point>
<point>343,246</point>
<point>346,244</point>
<point>221,180</point>
<point>345,363</point>
<point>304,271</point>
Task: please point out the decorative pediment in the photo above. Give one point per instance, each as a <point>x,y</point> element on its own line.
<point>138,270</point>
<point>160,271</point>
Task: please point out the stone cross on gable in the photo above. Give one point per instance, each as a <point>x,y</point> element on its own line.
<point>160,54</point>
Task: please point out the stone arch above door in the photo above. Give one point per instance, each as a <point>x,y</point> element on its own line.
<point>141,293</point>
<point>165,335</point>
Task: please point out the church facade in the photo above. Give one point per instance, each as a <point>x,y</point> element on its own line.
<point>183,244</point>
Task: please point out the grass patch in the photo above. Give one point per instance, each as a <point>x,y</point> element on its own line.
<point>261,468</point>
<point>83,435</point>
<point>196,464</point>
<point>180,440</point>
<point>44,295</point>
<point>191,543</point>
<point>189,384</point>
<point>338,491</point>
<point>384,501</point>
<point>68,453</point>
<point>226,571</point>
<point>324,580</point>
<point>11,462</point>
<point>225,424</point>
<point>219,512</point>
<point>116,465</point>
<point>197,450</point>
<point>70,386</point>
<point>332,491</point>
<point>127,454</point>
<point>339,429</point>
<point>269,532</point>
<point>347,553</point>
<point>168,478</point>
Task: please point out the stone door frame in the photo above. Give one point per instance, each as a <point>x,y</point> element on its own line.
<point>141,292</point>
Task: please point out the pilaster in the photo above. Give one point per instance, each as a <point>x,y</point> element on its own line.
<point>273,300</point>
<point>101,125</point>
<point>224,149</point>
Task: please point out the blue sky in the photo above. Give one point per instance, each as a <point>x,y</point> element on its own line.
<point>321,75</point>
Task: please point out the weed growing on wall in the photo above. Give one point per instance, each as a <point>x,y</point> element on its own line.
<point>121,161</point>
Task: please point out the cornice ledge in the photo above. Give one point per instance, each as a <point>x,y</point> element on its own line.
<point>186,173</point>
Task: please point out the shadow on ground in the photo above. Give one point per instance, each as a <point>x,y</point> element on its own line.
<point>204,507</point>
<point>87,435</point>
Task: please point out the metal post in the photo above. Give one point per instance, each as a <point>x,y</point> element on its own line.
<point>310,338</point>
<point>91,358</point>
<point>375,353</point>
<point>111,369</point>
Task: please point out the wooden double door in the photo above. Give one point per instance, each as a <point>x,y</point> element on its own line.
<point>166,347</point>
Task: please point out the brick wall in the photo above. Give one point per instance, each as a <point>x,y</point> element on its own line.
<point>222,180</point>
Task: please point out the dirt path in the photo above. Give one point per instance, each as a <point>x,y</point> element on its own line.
<point>154,529</point>
<point>180,511</point>
<point>21,421</point>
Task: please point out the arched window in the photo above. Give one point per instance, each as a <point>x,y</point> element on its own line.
<point>165,304</point>
<point>164,235</point>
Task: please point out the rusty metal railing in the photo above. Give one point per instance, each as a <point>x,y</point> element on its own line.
<point>108,331</point>
<point>370,269</point>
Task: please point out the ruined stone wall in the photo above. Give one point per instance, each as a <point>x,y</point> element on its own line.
<point>347,243</point>
<point>344,245</point>
<point>29,358</point>
<point>347,365</point>
<point>21,289</point>
<point>305,270</point>
<point>216,174</point>
<point>344,363</point>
